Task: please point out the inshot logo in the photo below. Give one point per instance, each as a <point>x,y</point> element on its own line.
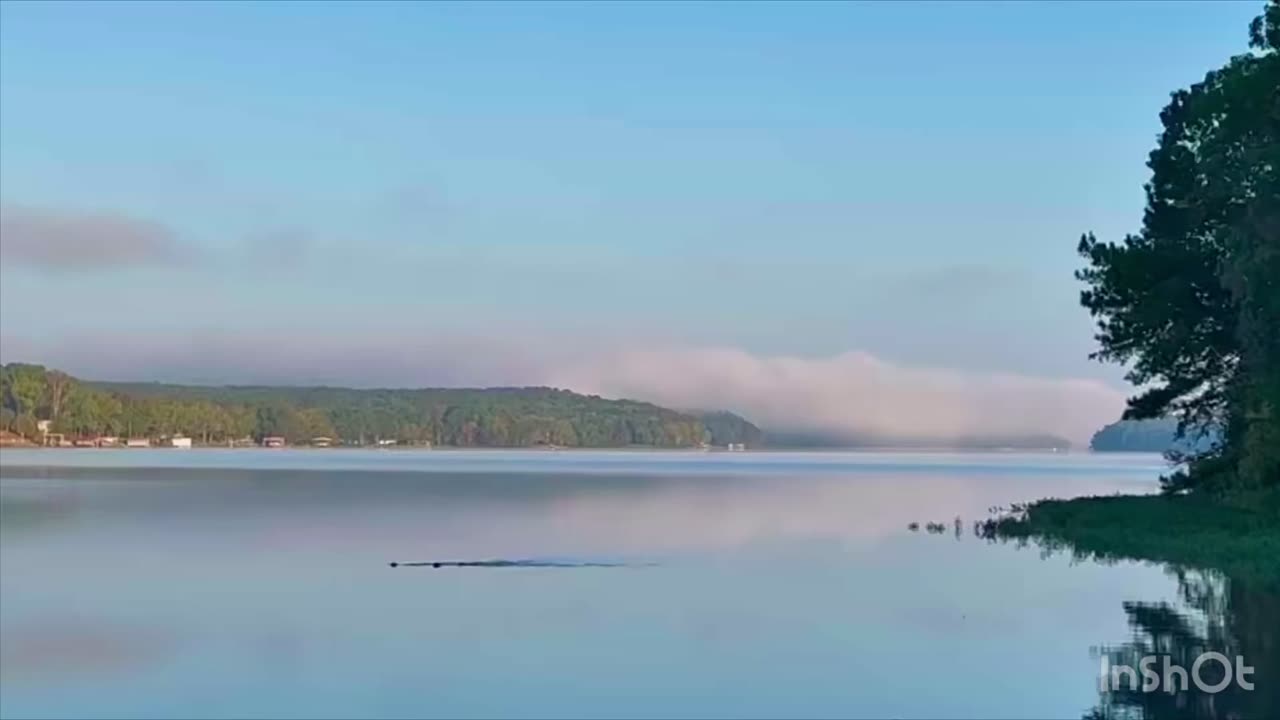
<point>1174,678</point>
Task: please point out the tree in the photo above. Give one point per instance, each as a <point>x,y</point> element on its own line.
<point>78,411</point>
<point>1192,300</point>
<point>25,425</point>
<point>58,387</point>
<point>315,423</point>
<point>24,386</point>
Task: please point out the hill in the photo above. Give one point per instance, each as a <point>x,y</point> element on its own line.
<point>489,417</point>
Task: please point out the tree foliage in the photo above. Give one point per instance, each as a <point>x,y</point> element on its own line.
<point>1192,301</point>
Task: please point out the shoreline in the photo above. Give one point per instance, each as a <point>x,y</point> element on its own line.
<point>1238,536</point>
<point>873,449</point>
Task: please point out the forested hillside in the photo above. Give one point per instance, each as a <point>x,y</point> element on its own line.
<point>493,417</point>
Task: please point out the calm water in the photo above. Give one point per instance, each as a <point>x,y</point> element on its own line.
<point>256,583</point>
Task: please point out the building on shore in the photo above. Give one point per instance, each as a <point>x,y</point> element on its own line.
<point>47,437</point>
<point>321,442</point>
<point>273,441</point>
<point>137,443</point>
<point>180,441</point>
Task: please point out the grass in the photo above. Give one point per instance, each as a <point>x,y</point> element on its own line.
<point>1241,538</point>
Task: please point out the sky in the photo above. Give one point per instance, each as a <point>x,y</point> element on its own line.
<point>862,216</point>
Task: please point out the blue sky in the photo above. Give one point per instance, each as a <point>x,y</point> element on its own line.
<point>901,179</point>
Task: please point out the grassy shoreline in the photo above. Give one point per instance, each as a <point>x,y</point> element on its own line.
<point>1241,537</point>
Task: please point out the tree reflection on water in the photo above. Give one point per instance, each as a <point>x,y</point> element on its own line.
<point>1236,615</point>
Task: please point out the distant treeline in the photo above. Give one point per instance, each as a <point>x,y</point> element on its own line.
<point>493,417</point>
<point>1159,435</point>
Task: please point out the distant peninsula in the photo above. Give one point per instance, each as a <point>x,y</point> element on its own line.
<point>1158,435</point>
<point>37,403</point>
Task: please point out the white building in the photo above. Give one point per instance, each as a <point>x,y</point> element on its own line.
<point>179,441</point>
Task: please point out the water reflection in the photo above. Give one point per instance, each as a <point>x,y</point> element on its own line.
<point>1230,616</point>
<point>787,589</point>
<point>640,509</point>
<point>50,648</point>
<point>1235,615</point>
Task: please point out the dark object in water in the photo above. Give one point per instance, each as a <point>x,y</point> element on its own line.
<point>512,563</point>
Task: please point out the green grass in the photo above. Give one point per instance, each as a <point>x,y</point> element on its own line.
<point>1241,538</point>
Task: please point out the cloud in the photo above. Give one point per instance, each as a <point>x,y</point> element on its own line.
<point>78,240</point>
<point>279,247</point>
<point>853,394</point>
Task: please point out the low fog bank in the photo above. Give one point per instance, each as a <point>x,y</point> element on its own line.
<point>854,398</point>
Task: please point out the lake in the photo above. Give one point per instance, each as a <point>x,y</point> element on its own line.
<point>218,583</point>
